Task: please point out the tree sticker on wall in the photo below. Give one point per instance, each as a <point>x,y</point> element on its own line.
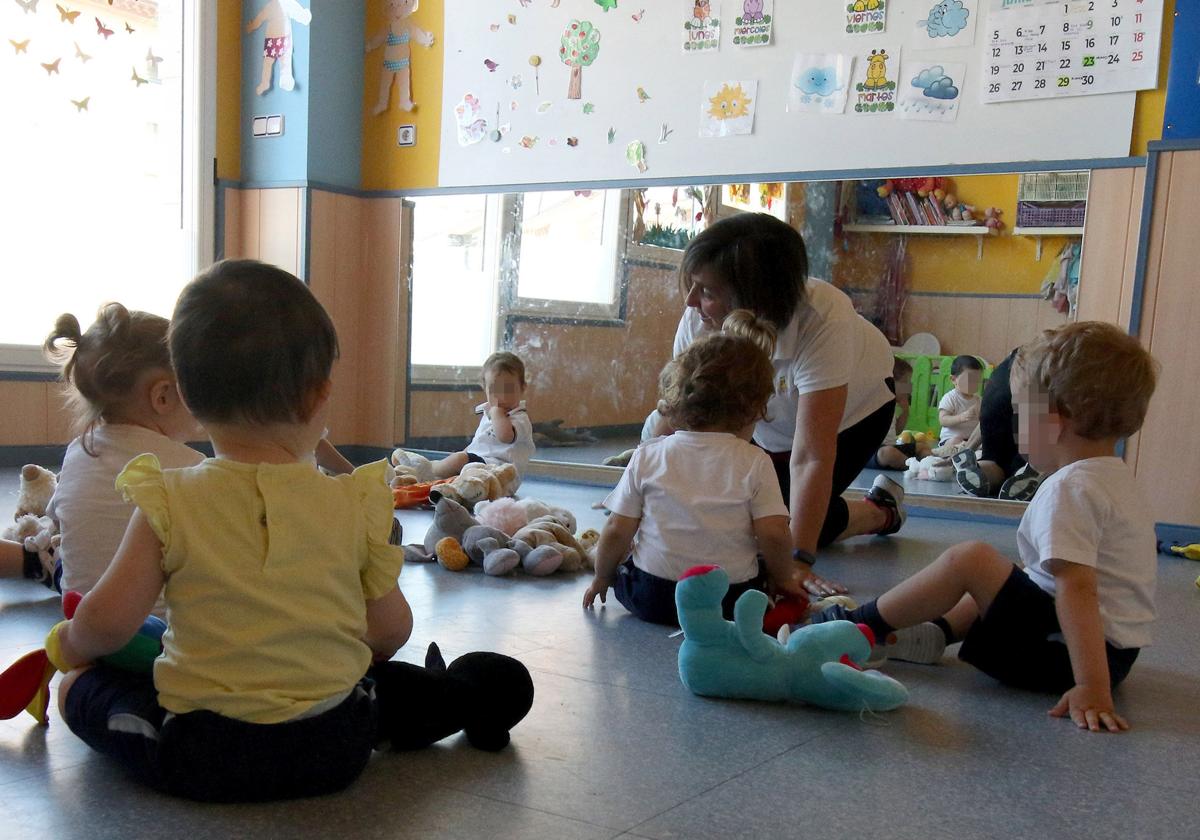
<point>579,47</point>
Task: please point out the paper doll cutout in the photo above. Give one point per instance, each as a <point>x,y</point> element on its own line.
<point>277,41</point>
<point>397,54</point>
<point>819,82</point>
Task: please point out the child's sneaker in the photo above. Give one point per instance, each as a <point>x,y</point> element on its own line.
<point>923,644</point>
<point>888,496</point>
<point>970,475</point>
<point>949,450</point>
<point>1021,485</point>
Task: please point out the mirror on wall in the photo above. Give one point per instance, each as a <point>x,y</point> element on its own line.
<point>583,285</point>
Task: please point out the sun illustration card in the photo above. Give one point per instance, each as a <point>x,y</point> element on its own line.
<point>819,82</point>
<point>727,108</point>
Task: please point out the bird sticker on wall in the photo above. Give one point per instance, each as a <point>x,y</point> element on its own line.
<point>28,6</point>
<point>101,29</point>
<point>641,94</point>
<point>19,46</point>
<point>52,67</point>
<point>81,104</point>
<point>129,29</point>
<point>81,55</point>
<point>490,65</point>
<point>137,80</point>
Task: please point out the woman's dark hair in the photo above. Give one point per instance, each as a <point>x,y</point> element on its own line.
<point>760,259</point>
<point>962,363</point>
<point>250,344</point>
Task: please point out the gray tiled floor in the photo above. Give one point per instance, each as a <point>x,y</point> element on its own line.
<point>615,746</point>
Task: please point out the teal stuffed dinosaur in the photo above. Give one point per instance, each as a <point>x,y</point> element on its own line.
<point>722,658</point>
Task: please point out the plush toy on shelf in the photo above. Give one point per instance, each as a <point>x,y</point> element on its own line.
<point>25,685</point>
<point>818,665</point>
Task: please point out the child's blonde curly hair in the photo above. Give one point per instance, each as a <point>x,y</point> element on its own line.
<point>1096,374</point>
<point>723,381</point>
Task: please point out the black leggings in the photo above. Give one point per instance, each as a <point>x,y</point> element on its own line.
<point>855,447</point>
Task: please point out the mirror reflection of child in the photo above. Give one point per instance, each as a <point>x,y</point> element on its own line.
<point>505,433</point>
<point>704,494</point>
<point>892,454</point>
<point>958,412</point>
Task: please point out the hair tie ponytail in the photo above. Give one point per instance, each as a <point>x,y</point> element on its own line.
<point>745,324</point>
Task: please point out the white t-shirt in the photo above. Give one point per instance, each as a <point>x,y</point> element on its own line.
<point>493,451</point>
<point>827,344</point>
<point>90,513</point>
<point>1090,513</point>
<point>697,495</point>
<point>955,402</point>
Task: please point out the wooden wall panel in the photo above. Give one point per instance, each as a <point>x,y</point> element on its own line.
<point>1107,267</point>
<point>232,232</point>
<point>448,413</point>
<point>1167,458</point>
<point>281,228</point>
<point>383,322</point>
<point>251,218</point>
<point>23,417</point>
<point>982,326</point>
<point>404,281</point>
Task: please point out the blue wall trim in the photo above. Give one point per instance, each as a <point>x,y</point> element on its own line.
<point>1143,249</point>
<point>1181,117</point>
<point>28,376</point>
<point>1013,295</point>
<point>1182,144</point>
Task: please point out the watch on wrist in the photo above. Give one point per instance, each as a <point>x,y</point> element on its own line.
<point>804,556</point>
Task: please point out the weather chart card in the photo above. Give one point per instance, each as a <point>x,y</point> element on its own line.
<point>1035,49</point>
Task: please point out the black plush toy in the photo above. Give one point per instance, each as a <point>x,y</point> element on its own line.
<point>483,694</point>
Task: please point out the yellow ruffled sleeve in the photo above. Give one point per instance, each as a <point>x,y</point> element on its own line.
<point>141,482</point>
<point>383,561</point>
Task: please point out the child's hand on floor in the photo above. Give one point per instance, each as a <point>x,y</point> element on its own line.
<point>1090,708</point>
<point>599,587</point>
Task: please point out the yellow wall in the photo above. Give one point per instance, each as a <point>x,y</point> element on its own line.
<point>1148,112</point>
<point>229,86</point>
<point>385,165</point>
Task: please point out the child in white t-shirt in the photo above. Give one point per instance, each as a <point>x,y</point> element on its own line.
<point>505,433</point>
<point>1072,617</point>
<point>704,494</point>
<point>123,393</point>
<point>958,412</point>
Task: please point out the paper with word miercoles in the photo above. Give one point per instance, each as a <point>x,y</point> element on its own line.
<point>1052,48</point>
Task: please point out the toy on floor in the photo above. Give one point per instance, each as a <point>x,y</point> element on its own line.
<point>37,486</point>
<point>31,527</point>
<point>25,685</point>
<point>930,468</point>
<point>736,659</point>
<point>511,515</point>
<point>1191,552</point>
<point>477,482</point>
<point>483,694</point>
<point>406,495</point>
<point>543,546</point>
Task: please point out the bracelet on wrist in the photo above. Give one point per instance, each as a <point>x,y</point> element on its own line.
<point>804,556</point>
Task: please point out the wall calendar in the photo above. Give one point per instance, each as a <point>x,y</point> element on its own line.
<point>1035,49</point>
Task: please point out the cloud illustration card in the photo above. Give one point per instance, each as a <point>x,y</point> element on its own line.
<point>943,23</point>
<point>931,90</point>
<point>819,83</point>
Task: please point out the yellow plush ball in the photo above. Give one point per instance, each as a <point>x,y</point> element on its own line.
<point>451,555</point>
<point>920,437</point>
<point>905,437</point>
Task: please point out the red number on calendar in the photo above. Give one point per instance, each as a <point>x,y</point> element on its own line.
<point>1138,36</point>
<point>1137,55</point>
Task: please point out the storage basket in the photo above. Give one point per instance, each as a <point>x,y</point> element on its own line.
<point>1035,214</point>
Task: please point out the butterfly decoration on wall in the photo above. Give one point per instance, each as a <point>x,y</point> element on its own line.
<point>152,59</point>
<point>28,6</point>
<point>52,67</point>
<point>129,29</point>
<point>138,80</point>
<point>81,55</point>
<point>101,29</point>
<point>65,15</point>
<point>81,104</point>
<point>19,46</point>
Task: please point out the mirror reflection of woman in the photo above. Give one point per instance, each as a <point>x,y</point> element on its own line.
<point>833,398</point>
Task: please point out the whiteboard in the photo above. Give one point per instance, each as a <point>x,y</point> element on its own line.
<point>648,53</point>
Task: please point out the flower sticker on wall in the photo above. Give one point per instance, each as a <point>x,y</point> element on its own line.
<point>277,15</point>
<point>931,91</point>
<point>471,124</point>
<point>727,108</point>
<point>819,82</point>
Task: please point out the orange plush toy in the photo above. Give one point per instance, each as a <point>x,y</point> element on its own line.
<point>415,495</point>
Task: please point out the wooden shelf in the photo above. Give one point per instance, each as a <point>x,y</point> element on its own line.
<point>1039,232</point>
<point>927,230</point>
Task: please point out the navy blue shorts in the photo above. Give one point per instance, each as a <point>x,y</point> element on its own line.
<point>208,757</point>
<point>908,449</point>
<point>1020,641</point>
<point>652,598</point>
